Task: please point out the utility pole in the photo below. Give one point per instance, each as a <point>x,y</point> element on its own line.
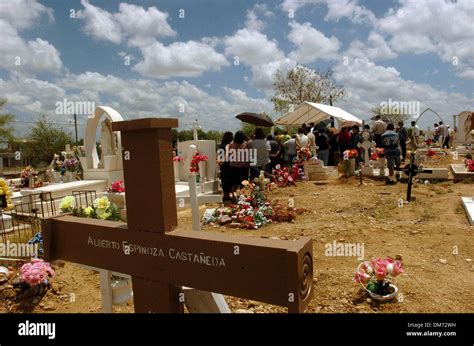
<point>75,127</point>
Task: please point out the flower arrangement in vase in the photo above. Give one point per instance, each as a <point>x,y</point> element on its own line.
<point>101,209</point>
<point>376,275</point>
<point>284,176</point>
<point>116,193</point>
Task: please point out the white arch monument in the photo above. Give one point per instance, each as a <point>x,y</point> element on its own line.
<point>109,166</point>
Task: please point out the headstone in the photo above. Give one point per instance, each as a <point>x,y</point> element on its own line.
<point>468,204</point>
<point>161,260</point>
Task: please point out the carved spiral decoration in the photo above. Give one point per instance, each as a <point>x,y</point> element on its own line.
<point>306,276</point>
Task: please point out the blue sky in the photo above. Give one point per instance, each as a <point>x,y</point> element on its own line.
<point>404,50</point>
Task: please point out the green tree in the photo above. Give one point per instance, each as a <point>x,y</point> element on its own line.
<point>6,132</point>
<point>44,141</point>
<point>249,129</point>
<point>390,116</point>
<point>304,84</point>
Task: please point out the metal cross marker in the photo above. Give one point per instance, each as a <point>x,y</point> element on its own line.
<point>160,260</point>
<point>412,170</point>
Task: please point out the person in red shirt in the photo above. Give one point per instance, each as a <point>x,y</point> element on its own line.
<point>343,140</point>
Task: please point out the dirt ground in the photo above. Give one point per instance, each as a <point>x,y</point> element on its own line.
<point>431,234</point>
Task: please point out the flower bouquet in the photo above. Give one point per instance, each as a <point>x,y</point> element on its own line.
<point>377,154</point>
<point>101,209</point>
<point>375,277</point>
<point>5,195</point>
<point>116,194</point>
<point>286,175</point>
<point>28,176</point>
<point>304,154</point>
<point>195,165</point>
<point>431,153</point>
<point>36,272</point>
<point>469,163</point>
<point>177,158</point>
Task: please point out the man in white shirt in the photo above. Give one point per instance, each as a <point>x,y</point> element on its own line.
<point>302,140</point>
<point>444,134</point>
<point>415,134</point>
<point>312,142</point>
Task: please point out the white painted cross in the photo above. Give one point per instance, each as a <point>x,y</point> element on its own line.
<point>366,145</point>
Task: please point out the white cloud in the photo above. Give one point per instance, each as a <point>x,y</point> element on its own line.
<point>467,73</point>
<point>252,21</point>
<point>375,49</point>
<point>262,77</point>
<point>22,14</point>
<point>183,59</point>
<point>311,43</point>
<point>252,47</point>
<point>99,23</point>
<point>369,84</point>
<point>425,26</point>
<point>337,9</point>
<point>26,57</point>
<point>140,26</point>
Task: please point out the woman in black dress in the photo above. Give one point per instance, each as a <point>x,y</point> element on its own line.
<point>225,171</point>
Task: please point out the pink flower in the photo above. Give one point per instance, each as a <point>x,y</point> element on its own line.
<point>380,273</point>
<point>361,277</point>
<point>395,268</point>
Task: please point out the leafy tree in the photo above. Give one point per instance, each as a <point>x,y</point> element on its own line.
<point>249,129</point>
<point>304,84</point>
<point>188,135</point>
<point>6,132</point>
<point>44,141</point>
<point>389,115</point>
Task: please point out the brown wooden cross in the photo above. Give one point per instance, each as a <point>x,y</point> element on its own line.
<point>161,260</point>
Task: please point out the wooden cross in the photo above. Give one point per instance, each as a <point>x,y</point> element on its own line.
<point>412,170</point>
<point>161,260</point>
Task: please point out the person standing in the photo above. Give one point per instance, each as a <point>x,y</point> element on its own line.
<point>343,140</point>
<point>275,153</point>
<point>333,156</point>
<point>240,165</point>
<point>445,135</point>
<point>260,144</point>
<point>290,146</point>
<point>224,169</point>
<point>322,142</point>
<point>415,134</point>
<point>355,139</point>
<point>402,138</point>
<point>391,151</point>
<point>301,139</point>
<point>312,142</point>
<point>378,129</point>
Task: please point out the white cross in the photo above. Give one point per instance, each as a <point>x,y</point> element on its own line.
<point>366,145</point>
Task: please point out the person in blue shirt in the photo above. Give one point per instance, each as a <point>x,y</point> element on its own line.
<point>392,152</point>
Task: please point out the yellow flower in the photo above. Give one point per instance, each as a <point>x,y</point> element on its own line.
<point>89,211</point>
<point>101,205</point>
<point>66,204</point>
<point>103,216</point>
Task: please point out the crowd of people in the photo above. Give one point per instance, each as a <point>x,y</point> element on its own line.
<point>326,143</point>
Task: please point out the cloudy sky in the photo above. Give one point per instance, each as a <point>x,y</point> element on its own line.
<point>211,59</point>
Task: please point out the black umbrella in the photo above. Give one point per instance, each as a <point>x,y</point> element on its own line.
<point>257,119</point>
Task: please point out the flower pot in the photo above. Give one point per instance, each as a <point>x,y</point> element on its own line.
<point>202,171</point>
<point>121,291</point>
<point>69,176</point>
<point>176,170</point>
<point>57,176</point>
<point>117,198</point>
<point>385,298</point>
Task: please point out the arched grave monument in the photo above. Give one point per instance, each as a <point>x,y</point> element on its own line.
<point>108,166</point>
